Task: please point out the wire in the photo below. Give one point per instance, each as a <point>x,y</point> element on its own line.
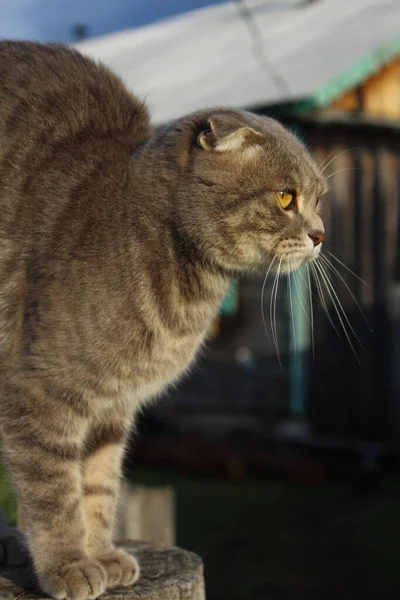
<point>257,48</point>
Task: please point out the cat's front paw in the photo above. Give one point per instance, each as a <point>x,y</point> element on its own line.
<point>81,580</point>
<point>121,568</point>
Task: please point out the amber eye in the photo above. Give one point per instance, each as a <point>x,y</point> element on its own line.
<point>285,199</point>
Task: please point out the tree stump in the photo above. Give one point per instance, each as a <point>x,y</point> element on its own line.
<point>166,574</point>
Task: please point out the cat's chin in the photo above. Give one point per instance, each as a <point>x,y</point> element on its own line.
<point>289,267</point>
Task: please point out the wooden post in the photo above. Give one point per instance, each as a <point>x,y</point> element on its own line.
<point>146,513</point>
<point>166,572</point>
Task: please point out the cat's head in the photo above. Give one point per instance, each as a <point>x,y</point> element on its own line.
<point>249,191</point>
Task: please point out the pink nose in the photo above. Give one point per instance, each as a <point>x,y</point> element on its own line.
<point>317,237</point>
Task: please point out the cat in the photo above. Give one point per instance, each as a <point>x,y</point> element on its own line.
<point>118,245</point>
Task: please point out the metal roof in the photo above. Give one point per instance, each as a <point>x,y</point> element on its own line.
<point>205,58</point>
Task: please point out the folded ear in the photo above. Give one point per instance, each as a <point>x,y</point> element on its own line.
<point>221,134</point>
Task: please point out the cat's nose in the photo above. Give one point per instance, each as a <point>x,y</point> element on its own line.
<point>317,237</point>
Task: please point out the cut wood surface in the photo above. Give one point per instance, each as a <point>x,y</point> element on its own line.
<point>167,573</point>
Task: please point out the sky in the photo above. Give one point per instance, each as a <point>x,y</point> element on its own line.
<point>53,20</point>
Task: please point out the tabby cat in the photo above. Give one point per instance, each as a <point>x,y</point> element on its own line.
<point>118,245</point>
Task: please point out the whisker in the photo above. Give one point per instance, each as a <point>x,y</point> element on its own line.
<point>323,168</point>
<point>336,272</point>
<point>272,312</point>
<point>276,297</point>
<point>310,310</point>
<point>292,316</point>
<point>339,309</point>
<point>326,282</point>
<point>296,283</point>
<point>311,313</point>
<point>301,276</point>
<point>343,254</point>
<point>271,307</point>
<point>262,298</point>
<point>341,171</point>
<point>350,271</point>
<point>322,298</point>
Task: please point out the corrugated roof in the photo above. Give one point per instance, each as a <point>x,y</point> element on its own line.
<point>204,58</point>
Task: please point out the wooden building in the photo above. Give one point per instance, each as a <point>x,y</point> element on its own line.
<point>331,71</point>
<point>377,97</point>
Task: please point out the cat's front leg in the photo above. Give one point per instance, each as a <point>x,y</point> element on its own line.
<point>101,482</point>
<point>42,440</point>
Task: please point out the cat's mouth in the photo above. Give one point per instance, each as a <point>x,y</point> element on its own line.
<point>289,262</point>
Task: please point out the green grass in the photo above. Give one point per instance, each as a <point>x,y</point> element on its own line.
<point>8,505</point>
<point>375,528</point>
<point>263,540</point>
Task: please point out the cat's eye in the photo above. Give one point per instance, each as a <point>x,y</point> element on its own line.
<point>286,199</point>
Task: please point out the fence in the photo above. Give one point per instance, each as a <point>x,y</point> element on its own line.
<point>240,386</point>
<point>362,219</point>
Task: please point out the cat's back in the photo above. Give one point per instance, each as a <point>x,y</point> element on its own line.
<point>52,89</point>
<point>62,116</point>
<point>68,128</point>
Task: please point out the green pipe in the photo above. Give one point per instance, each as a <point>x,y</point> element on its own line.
<point>299,342</point>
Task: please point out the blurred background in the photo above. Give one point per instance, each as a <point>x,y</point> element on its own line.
<point>277,462</point>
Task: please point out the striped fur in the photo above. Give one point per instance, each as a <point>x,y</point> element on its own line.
<point>117,246</point>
